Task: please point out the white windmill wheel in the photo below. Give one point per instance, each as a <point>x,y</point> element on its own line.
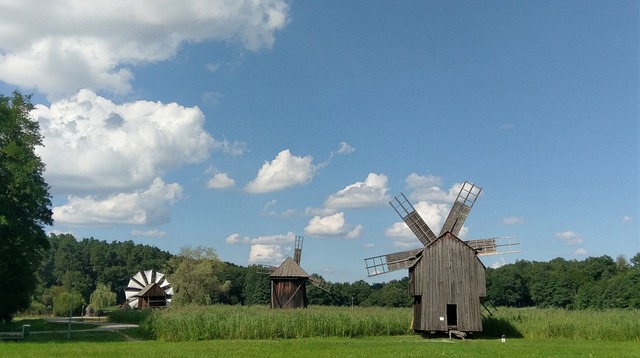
<point>141,281</point>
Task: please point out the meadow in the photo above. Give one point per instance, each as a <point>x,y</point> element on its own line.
<point>341,331</point>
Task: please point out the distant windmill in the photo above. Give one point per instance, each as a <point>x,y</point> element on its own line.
<point>446,278</point>
<point>288,281</point>
<point>148,289</point>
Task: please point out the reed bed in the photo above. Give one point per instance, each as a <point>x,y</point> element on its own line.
<point>194,323</point>
<point>605,325</point>
<point>256,322</point>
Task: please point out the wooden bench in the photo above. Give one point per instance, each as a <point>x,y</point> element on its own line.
<point>16,336</point>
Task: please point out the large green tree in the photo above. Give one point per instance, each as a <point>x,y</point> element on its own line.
<point>194,275</point>
<point>25,204</point>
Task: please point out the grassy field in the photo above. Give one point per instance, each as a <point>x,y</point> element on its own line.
<point>333,331</point>
<point>390,346</point>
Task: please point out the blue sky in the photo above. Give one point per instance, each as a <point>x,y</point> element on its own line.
<point>240,125</point>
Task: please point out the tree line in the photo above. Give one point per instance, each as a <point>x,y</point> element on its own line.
<point>89,267</point>
<point>593,283</point>
<point>200,277</point>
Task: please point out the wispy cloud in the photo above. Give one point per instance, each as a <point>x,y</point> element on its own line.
<point>345,148</point>
<point>580,252</point>
<point>513,220</point>
<point>149,233</point>
<point>569,237</point>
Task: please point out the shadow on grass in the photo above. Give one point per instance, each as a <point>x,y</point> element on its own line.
<point>95,336</point>
<point>493,327</point>
<point>43,331</point>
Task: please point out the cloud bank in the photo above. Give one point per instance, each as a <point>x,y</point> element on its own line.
<point>61,46</point>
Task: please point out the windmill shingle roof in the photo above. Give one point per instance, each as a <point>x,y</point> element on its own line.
<point>289,268</point>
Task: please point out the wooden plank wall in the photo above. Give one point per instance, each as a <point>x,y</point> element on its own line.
<point>290,293</point>
<point>449,273</point>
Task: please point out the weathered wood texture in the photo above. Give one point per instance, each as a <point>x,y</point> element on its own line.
<point>448,273</point>
<point>289,293</point>
<point>288,286</point>
<point>152,296</point>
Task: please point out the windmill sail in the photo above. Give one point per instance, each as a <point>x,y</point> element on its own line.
<point>411,217</point>
<point>319,283</point>
<point>297,252</point>
<point>391,262</point>
<point>495,245</point>
<point>461,207</point>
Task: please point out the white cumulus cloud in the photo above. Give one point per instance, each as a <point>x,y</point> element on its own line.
<point>236,239</point>
<point>94,145</point>
<point>221,181</point>
<point>371,192</point>
<point>60,46</point>
<point>332,225</point>
<point>428,188</point>
<point>284,171</point>
<point>267,254</point>
<point>355,233</point>
<point>143,207</point>
<point>433,207</point>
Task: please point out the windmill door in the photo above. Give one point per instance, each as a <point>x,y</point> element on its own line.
<point>452,316</point>
<point>417,312</point>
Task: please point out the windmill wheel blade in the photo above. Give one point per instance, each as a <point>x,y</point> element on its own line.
<point>148,281</point>
<point>461,208</point>
<point>410,216</point>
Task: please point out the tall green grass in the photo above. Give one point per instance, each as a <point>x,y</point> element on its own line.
<point>605,325</point>
<point>257,322</point>
<point>129,316</point>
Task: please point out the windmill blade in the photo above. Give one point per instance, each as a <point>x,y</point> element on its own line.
<point>297,252</point>
<point>391,262</point>
<point>410,216</point>
<point>495,245</point>
<point>461,207</point>
<point>319,283</point>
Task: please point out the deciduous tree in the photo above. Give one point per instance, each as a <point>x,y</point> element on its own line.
<point>25,204</point>
<point>194,275</point>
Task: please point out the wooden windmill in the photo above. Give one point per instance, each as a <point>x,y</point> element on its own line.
<point>288,281</point>
<point>446,278</point>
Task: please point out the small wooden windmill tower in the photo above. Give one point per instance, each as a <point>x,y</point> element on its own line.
<point>446,278</point>
<point>288,281</point>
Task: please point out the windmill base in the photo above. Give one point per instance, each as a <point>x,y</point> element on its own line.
<point>458,334</point>
<point>452,333</point>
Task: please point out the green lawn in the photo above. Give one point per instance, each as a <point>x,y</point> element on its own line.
<point>82,345</point>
